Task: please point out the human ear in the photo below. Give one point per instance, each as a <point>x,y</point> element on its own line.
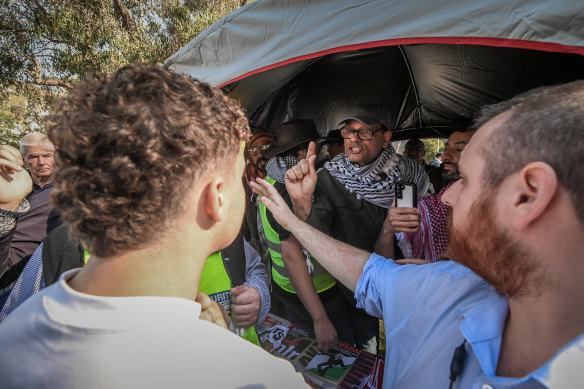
<point>386,138</point>
<point>535,188</point>
<point>214,201</point>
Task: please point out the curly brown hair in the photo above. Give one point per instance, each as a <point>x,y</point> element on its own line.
<point>130,147</point>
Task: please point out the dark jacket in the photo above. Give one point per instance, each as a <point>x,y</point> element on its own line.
<point>31,228</point>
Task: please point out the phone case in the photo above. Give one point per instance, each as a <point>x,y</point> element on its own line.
<point>405,194</point>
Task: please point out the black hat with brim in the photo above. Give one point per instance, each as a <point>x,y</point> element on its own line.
<point>292,134</point>
<point>334,137</point>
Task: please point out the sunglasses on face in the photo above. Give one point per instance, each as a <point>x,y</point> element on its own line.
<point>255,150</point>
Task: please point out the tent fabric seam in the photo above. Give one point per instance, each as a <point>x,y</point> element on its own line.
<point>480,41</point>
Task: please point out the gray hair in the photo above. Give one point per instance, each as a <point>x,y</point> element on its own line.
<point>34,139</point>
<point>544,124</point>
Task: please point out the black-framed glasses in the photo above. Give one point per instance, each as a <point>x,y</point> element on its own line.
<point>255,150</point>
<point>362,134</point>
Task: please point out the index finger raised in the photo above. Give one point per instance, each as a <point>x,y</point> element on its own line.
<point>311,150</point>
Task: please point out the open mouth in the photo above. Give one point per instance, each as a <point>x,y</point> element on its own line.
<point>354,149</point>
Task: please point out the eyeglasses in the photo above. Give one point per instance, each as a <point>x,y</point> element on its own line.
<point>362,134</point>
<point>255,150</point>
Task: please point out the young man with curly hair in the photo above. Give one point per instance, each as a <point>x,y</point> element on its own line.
<point>149,167</point>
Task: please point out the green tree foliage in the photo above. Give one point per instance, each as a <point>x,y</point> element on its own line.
<point>46,46</point>
<point>432,147</point>
<point>21,110</point>
<point>11,114</point>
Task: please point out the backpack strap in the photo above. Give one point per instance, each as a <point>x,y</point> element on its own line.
<point>60,253</point>
<point>234,260</point>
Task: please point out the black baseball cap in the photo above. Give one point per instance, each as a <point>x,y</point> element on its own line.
<point>370,115</point>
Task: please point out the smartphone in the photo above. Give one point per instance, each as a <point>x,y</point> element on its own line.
<point>406,195</point>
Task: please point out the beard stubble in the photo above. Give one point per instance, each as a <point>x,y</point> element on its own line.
<point>488,250</point>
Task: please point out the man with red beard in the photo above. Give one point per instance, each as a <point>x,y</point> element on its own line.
<point>507,312</point>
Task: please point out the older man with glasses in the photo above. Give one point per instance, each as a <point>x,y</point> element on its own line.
<point>354,193</point>
<point>25,223</point>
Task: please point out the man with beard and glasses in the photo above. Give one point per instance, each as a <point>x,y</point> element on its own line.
<point>308,293</point>
<point>506,312</point>
<point>256,151</point>
<point>354,193</point>
<point>255,154</point>
<point>430,240</point>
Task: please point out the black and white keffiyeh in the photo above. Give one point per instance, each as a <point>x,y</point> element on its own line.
<point>8,218</point>
<point>376,182</point>
<point>276,167</point>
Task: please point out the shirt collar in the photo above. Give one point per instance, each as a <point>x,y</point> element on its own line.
<point>65,305</point>
<point>36,187</point>
<point>482,326</point>
<point>564,369</point>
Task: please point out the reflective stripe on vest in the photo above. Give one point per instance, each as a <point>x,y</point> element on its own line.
<point>216,283</point>
<point>321,279</point>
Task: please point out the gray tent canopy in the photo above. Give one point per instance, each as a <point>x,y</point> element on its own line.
<point>427,64</point>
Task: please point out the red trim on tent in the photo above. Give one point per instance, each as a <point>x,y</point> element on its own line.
<point>497,42</point>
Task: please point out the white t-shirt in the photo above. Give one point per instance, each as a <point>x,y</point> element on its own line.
<point>60,338</point>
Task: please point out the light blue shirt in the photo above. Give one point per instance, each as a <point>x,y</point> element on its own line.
<point>429,310</point>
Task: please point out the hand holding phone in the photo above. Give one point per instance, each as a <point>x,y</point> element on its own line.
<point>406,195</point>
<point>404,215</point>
